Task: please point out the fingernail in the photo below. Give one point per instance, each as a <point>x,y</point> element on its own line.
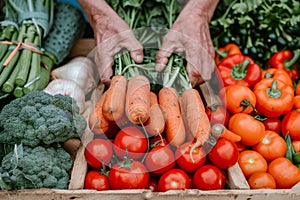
<point>139,58</point>
<point>159,67</point>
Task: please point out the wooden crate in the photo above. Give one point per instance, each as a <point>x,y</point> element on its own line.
<point>239,188</point>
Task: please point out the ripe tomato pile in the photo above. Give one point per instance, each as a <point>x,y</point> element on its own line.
<point>130,160</point>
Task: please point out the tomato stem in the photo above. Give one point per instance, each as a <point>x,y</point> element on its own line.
<point>126,163</point>
<point>246,103</point>
<point>103,169</point>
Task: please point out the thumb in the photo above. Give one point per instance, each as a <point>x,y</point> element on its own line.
<point>137,55</point>
<point>162,56</point>
<point>134,46</point>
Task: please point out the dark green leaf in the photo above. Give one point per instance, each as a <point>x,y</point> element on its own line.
<point>246,6</point>
<point>132,3</point>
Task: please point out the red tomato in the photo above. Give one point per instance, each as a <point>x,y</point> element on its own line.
<point>174,179</point>
<point>160,159</point>
<point>217,114</point>
<point>184,160</point>
<point>133,139</point>
<point>272,124</point>
<point>290,124</point>
<point>129,174</point>
<point>224,154</point>
<point>94,180</point>
<point>98,151</point>
<point>209,177</point>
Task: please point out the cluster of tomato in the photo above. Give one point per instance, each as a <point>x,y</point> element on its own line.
<point>262,106</point>
<point>130,160</point>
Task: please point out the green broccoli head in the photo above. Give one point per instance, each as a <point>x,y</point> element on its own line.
<point>26,168</point>
<point>39,117</point>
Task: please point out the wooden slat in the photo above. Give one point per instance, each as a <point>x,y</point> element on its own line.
<point>46,194</point>
<point>209,95</point>
<point>83,47</point>
<point>236,178</point>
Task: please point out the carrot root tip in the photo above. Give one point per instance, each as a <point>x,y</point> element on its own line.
<point>195,145</point>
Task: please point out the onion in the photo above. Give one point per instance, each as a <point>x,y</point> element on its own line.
<point>81,70</point>
<point>67,88</point>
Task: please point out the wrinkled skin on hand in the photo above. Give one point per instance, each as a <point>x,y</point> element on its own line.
<point>111,34</point>
<point>190,34</point>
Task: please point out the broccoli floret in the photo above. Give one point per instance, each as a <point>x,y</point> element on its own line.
<point>65,103</point>
<point>39,117</point>
<point>27,168</point>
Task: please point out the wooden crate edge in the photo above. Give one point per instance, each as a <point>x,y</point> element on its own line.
<point>80,166</point>
<point>45,194</point>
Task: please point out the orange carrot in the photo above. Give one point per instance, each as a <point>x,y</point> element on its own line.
<point>97,123</point>
<point>153,99</point>
<point>114,102</point>
<point>137,105</point>
<point>196,118</point>
<point>189,136</point>
<point>219,130</point>
<point>169,102</point>
<point>156,123</point>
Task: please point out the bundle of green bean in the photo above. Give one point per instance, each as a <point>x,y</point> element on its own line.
<point>25,61</point>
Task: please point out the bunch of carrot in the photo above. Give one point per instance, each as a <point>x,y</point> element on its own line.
<point>179,117</point>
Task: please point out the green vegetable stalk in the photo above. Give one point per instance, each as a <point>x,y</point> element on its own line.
<point>8,27</point>
<point>35,18</point>
<point>43,41</point>
<point>149,21</point>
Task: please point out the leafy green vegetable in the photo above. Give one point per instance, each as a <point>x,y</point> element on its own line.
<point>259,27</point>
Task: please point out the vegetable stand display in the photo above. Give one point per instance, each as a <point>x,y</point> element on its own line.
<point>238,186</point>
<point>155,139</point>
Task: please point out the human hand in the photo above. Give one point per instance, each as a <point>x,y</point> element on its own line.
<point>112,34</point>
<point>190,34</point>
